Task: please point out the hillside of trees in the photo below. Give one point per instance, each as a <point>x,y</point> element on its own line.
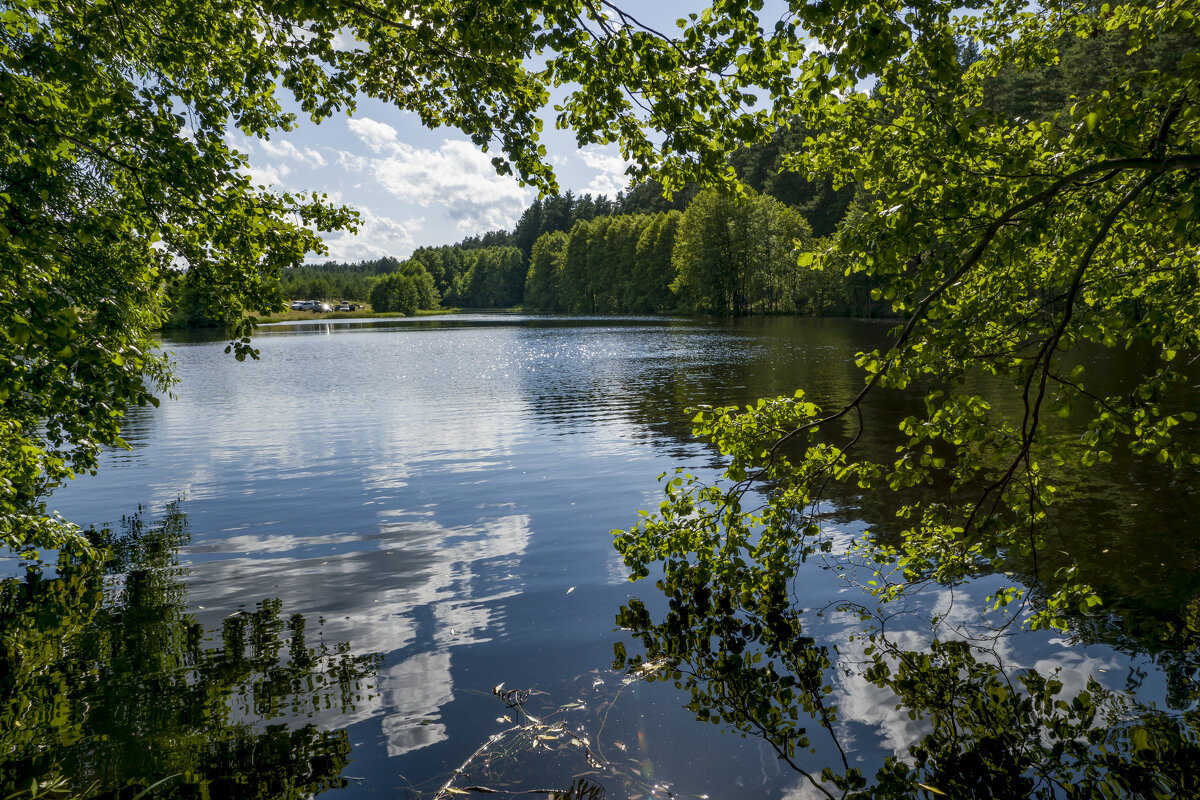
<point>723,255</point>
<point>335,280</point>
<point>695,252</point>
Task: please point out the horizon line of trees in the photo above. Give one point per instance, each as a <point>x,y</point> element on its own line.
<point>718,254</point>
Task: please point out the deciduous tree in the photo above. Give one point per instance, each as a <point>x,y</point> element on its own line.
<point>1009,245</point>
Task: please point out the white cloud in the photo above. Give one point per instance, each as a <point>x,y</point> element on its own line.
<point>236,141</point>
<point>379,136</point>
<point>351,162</point>
<point>606,185</point>
<point>343,40</point>
<point>377,236</point>
<point>456,176</point>
<point>269,174</point>
<point>612,177</point>
<point>406,572</point>
<point>289,151</point>
<point>596,158</point>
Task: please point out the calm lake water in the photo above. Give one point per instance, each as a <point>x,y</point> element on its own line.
<point>343,547</point>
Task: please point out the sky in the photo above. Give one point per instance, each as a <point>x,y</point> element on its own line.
<point>413,186</point>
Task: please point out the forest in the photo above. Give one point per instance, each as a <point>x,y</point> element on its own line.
<point>705,251</point>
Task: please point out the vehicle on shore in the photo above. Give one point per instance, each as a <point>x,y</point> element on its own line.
<point>311,305</point>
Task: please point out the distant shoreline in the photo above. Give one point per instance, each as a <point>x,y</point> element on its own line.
<point>309,316</point>
<point>363,313</point>
<point>360,313</point>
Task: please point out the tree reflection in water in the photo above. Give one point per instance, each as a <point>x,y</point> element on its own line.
<point>108,685</point>
<point>989,731</point>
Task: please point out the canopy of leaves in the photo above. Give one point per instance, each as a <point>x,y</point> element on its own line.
<point>737,255</point>
<point>334,281</point>
<point>1006,243</point>
<point>408,289</point>
<point>495,278</point>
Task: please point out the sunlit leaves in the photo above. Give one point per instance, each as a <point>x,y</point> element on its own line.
<point>115,172</point>
<point>1009,245</point>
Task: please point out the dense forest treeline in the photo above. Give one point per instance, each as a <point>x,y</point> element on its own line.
<point>698,251</point>
<point>641,252</point>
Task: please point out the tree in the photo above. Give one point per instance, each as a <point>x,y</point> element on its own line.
<point>1005,243</point>
<point>653,271</point>
<point>328,281</point>
<point>1016,247</point>
<point>708,257</point>
<point>765,168</point>
<point>427,293</point>
<point>1004,238</point>
<point>775,234</point>
<point>396,292</point>
<point>545,267</point>
<point>735,255</point>
<point>495,279</point>
<point>574,285</point>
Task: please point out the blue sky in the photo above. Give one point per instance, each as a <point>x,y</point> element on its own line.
<point>414,186</point>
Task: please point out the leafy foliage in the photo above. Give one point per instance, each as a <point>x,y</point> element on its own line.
<point>105,188</point>
<point>447,264</point>
<point>334,281</point>
<point>409,288</point>
<point>617,264</point>
<point>545,266</point>
<point>988,731</point>
<point>737,255</point>
<point>557,214</point>
<point>1005,243</point>
<point>495,278</point>
<point>1023,236</point>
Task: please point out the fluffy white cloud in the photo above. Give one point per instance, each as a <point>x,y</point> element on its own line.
<point>287,150</point>
<point>269,174</point>
<point>379,136</point>
<point>456,176</point>
<point>351,162</point>
<point>610,166</point>
<point>377,236</point>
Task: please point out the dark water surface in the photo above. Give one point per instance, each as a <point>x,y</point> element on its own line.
<point>344,547</point>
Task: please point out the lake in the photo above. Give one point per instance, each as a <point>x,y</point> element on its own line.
<point>329,559</point>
